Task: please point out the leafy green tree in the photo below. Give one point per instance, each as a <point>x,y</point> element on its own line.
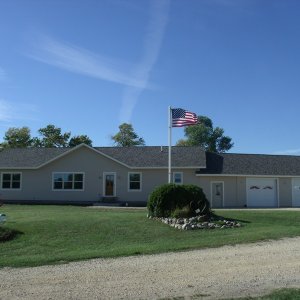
<point>205,135</point>
<point>17,138</point>
<point>80,139</point>
<point>52,136</point>
<point>127,137</point>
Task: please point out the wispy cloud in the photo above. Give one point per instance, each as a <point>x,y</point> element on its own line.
<point>2,74</point>
<point>75,59</point>
<point>134,76</point>
<point>152,44</point>
<point>10,112</point>
<point>288,152</point>
<point>5,111</point>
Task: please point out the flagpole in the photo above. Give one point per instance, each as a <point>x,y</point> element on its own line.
<point>170,143</point>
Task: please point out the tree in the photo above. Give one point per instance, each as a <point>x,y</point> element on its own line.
<point>127,137</point>
<point>17,138</point>
<point>80,139</point>
<point>205,135</point>
<point>52,137</point>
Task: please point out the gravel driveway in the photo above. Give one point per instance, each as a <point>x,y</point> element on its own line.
<point>230,271</point>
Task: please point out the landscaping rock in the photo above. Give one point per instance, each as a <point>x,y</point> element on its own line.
<point>194,223</point>
<point>202,218</point>
<point>2,218</point>
<point>186,226</point>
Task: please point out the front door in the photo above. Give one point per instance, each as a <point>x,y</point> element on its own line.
<point>110,184</point>
<point>217,191</point>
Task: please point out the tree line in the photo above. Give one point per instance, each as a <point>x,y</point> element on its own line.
<point>202,134</point>
<point>49,136</point>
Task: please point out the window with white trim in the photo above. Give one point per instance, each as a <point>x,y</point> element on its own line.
<point>67,181</point>
<point>134,181</point>
<point>11,181</point>
<point>177,177</point>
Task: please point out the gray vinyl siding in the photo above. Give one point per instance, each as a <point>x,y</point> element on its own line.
<point>37,184</point>
<point>285,192</point>
<point>234,189</point>
<point>235,193</point>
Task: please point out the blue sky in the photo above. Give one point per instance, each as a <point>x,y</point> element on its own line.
<point>88,66</point>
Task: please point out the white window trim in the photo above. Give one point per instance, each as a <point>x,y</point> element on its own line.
<point>128,186</point>
<point>211,192</point>
<point>181,174</point>
<point>11,189</point>
<point>115,184</point>
<point>68,190</point>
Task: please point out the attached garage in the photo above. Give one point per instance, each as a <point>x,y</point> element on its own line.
<point>296,192</point>
<point>261,192</point>
<point>252,180</point>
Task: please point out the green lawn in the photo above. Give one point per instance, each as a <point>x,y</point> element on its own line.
<point>56,234</point>
<point>282,294</point>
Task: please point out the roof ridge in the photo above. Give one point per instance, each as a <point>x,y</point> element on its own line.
<point>260,154</point>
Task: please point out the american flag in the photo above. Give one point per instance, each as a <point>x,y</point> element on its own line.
<point>182,117</point>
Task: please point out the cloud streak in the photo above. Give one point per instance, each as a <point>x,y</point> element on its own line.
<point>135,77</point>
<point>78,60</point>
<point>2,74</point>
<point>10,112</point>
<point>5,111</point>
<point>152,44</point>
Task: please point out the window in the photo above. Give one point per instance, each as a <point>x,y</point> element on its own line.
<point>177,177</point>
<point>135,181</point>
<point>11,181</point>
<point>68,181</point>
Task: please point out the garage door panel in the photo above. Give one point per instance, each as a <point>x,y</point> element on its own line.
<point>261,192</point>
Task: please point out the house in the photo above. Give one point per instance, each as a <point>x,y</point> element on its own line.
<point>87,175</point>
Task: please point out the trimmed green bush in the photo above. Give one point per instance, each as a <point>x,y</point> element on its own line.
<point>184,212</point>
<point>170,199</point>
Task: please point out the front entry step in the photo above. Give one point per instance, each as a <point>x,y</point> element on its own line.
<point>109,199</point>
<point>116,204</point>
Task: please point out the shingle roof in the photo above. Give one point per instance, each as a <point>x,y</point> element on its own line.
<point>251,164</point>
<point>28,157</point>
<point>134,157</point>
<point>156,157</point>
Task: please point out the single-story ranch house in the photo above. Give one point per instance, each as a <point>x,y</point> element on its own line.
<point>86,175</point>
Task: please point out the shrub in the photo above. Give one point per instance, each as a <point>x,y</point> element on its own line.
<point>184,212</point>
<point>168,199</point>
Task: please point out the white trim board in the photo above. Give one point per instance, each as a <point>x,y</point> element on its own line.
<point>250,176</point>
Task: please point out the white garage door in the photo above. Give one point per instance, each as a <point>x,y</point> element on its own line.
<point>261,192</point>
<point>296,191</point>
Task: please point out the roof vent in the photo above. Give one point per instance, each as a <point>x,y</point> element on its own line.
<point>161,148</point>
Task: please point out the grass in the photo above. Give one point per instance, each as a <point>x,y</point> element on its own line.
<point>281,294</point>
<point>7,234</point>
<point>57,234</point>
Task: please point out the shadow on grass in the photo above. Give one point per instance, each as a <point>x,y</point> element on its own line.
<point>7,234</point>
